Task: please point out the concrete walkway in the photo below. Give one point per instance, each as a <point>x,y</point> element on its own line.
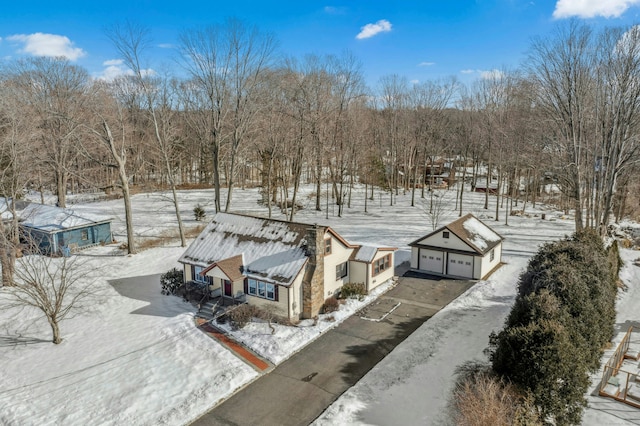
<point>302,387</point>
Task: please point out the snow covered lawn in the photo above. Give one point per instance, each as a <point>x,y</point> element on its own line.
<point>137,358</point>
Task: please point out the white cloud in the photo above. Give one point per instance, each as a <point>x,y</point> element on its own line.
<point>414,81</point>
<point>112,62</point>
<point>369,30</point>
<point>114,69</point>
<point>332,10</point>
<point>426,64</point>
<point>491,74</point>
<point>166,46</point>
<point>592,8</point>
<point>40,44</point>
<point>485,74</point>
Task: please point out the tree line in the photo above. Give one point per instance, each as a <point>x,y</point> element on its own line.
<point>236,112</point>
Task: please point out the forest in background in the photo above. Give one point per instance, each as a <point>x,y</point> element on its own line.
<point>236,112</point>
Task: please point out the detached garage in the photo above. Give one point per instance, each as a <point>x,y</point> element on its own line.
<point>465,248</point>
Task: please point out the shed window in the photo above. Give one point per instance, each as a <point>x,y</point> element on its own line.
<point>492,255</point>
<point>445,234</point>
<point>84,234</point>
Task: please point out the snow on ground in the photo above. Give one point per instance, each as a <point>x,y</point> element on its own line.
<point>285,341</point>
<point>135,359</point>
<point>138,359</point>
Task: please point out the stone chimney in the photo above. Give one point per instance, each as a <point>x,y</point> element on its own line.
<point>313,280</point>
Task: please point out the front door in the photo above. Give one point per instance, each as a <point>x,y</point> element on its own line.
<point>228,288</point>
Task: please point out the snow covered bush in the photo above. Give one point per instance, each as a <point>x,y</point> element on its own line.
<point>171,281</point>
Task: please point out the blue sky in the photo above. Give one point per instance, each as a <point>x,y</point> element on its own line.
<point>420,40</point>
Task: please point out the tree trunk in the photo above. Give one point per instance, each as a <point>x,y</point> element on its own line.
<point>55,331</point>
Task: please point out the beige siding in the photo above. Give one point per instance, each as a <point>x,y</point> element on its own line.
<point>488,265</point>
<point>295,296</point>
<point>414,257</point>
<point>279,307</point>
<point>451,243</point>
<point>358,272</point>
<point>187,272</point>
<point>339,254</point>
<point>382,277</point>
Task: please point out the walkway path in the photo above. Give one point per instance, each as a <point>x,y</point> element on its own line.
<point>302,387</point>
<point>242,352</point>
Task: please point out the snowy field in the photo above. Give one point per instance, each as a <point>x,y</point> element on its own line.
<point>136,357</point>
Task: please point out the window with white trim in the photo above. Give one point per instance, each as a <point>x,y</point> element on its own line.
<point>253,287</point>
<point>197,275</point>
<point>271,291</point>
<point>341,270</point>
<point>492,255</point>
<point>445,234</point>
<point>261,289</point>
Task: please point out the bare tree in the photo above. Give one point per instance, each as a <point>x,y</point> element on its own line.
<point>57,287</point>
<point>55,91</point>
<point>131,41</point>
<point>226,63</point>
<point>561,70</point>
<point>16,150</point>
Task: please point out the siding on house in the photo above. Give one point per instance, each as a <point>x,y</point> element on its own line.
<point>339,254</point>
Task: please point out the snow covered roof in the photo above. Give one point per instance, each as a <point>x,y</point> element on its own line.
<point>53,219</point>
<point>272,249</point>
<point>368,253</point>
<point>472,231</point>
<point>45,217</point>
<point>475,233</point>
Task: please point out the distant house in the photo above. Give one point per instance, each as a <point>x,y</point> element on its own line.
<point>439,173</point>
<point>292,267</point>
<point>465,248</point>
<point>57,231</point>
<point>481,186</point>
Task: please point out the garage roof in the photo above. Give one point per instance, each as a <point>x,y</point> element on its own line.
<point>472,231</point>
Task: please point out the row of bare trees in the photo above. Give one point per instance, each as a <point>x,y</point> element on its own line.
<point>239,115</point>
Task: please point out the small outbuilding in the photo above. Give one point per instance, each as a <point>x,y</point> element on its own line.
<point>466,248</point>
<point>59,231</point>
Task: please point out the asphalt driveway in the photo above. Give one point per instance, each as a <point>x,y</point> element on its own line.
<point>302,387</point>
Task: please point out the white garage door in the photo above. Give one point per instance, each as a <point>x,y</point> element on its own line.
<point>460,265</point>
<point>431,260</point>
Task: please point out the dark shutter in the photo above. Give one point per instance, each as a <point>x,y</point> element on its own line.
<point>275,292</point>
<point>246,286</point>
<point>193,273</point>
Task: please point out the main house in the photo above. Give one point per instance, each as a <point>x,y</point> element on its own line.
<point>465,248</point>
<point>291,267</point>
<point>54,230</point>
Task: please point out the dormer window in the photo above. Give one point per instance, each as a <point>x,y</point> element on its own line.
<point>445,234</point>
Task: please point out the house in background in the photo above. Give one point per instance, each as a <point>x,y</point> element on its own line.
<point>439,173</point>
<point>58,231</point>
<point>288,266</point>
<point>465,248</point>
